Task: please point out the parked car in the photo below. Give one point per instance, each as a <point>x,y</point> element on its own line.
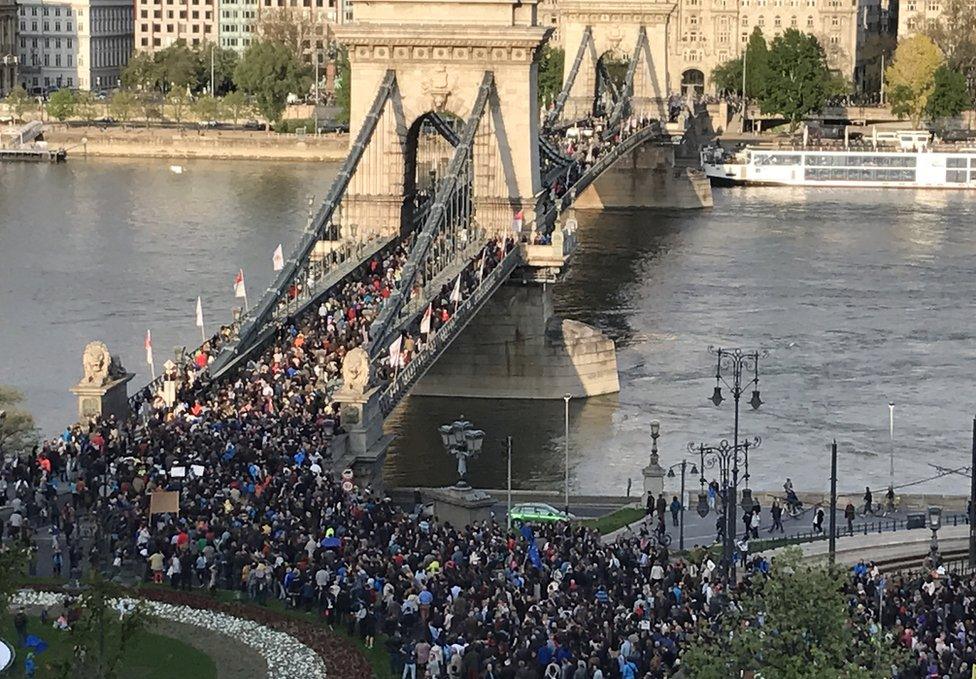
<point>333,127</point>
<point>537,512</point>
<point>209,123</point>
<point>958,135</point>
<point>253,125</point>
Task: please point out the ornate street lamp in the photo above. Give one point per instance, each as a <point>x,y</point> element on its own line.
<point>694,470</point>
<point>725,456</point>
<point>461,440</point>
<point>735,362</point>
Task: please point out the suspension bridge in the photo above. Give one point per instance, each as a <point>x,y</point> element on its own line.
<point>450,159</point>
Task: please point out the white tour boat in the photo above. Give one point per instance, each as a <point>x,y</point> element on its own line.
<point>887,160</point>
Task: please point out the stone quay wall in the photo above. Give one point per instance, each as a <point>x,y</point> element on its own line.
<point>189,143</point>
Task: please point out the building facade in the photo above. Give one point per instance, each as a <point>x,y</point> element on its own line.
<point>307,22</point>
<point>707,33</point>
<point>8,46</point>
<point>160,23</point>
<point>81,44</point>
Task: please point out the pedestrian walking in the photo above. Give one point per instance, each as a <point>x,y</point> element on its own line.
<point>776,511</point>
<point>675,509</point>
<point>818,519</point>
<point>868,501</point>
<point>754,524</point>
<point>662,506</point>
<point>849,514</point>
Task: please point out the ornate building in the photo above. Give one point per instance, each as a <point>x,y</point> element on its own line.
<point>82,44</point>
<point>703,34</point>
<point>8,46</point>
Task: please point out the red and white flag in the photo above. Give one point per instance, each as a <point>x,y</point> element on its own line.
<point>456,292</point>
<point>426,320</point>
<point>278,259</point>
<point>395,352</point>
<point>517,221</point>
<point>149,354</point>
<point>239,290</point>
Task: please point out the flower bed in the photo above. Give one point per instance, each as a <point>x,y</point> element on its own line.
<point>286,655</point>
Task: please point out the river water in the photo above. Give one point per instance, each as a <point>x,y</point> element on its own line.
<point>859,298</point>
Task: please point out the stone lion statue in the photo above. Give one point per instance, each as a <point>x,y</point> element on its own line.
<point>99,365</point>
<point>356,371</point>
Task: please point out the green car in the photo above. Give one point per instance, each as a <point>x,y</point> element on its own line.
<point>537,512</point>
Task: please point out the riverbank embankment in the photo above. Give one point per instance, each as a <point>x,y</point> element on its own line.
<point>190,143</point>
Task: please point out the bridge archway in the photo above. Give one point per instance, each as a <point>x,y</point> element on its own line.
<point>617,27</point>
<point>692,83</point>
<point>440,67</point>
<point>428,150</point>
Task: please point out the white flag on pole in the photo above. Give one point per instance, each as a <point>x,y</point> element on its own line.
<point>426,320</point>
<point>456,292</point>
<point>395,352</point>
<point>239,290</point>
<point>278,259</point>
<point>149,354</point>
<point>481,268</point>
<point>199,312</point>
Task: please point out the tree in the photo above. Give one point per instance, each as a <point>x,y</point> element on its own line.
<point>270,71</point>
<point>797,79</point>
<point>955,34</point>
<point>150,105</point>
<point>756,64</point>
<point>224,62</point>
<point>911,76</point>
<point>795,624</point>
<point>343,86</point>
<point>177,100</point>
<point>551,64</point>
<point>18,434</point>
<point>103,631</point>
<point>206,108</point>
<point>85,106</point>
<point>298,30</point>
<point>121,105</point>
<point>949,97</point>
<point>179,66</point>
<point>728,76</point>
<point>61,105</point>
<point>236,105</point>
<point>143,72</point>
<point>19,101</point>
<point>13,568</point>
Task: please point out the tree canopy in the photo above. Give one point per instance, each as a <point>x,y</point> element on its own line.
<point>551,63</point>
<point>61,105</point>
<point>911,76</point>
<point>180,66</point>
<point>19,101</point>
<point>17,431</point>
<point>728,76</point>
<point>270,71</point>
<point>949,95</point>
<point>794,624</point>
<point>954,32</point>
<point>797,79</point>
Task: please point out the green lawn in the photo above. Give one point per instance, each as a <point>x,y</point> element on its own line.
<point>150,656</point>
<point>618,519</point>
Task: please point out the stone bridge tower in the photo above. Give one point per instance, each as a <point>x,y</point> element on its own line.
<point>440,51</point>
<point>616,27</point>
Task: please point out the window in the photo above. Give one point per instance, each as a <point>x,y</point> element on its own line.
<point>810,21</point>
<point>761,21</point>
<point>70,59</point>
<point>67,26</point>
<point>834,21</point>
<point>776,22</point>
<point>793,21</point>
<point>955,162</point>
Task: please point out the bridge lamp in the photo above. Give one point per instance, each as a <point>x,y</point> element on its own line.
<point>702,504</point>
<point>473,440</point>
<point>717,395</point>
<point>755,401</point>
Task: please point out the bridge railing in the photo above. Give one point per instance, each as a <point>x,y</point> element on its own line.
<point>322,226</point>
<point>560,104</point>
<point>450,211</point>
<point>447,333</point>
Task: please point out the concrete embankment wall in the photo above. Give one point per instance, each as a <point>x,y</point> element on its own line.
<point>516,348</point>
<point>647,178</point>
<point>196,144</point>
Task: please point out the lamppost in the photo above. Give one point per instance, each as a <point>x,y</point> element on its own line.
<point>681,526</point>
<point>653,472</point>
<point>935,523</point>
<point>736,361</point>
<point>725,456</point>
<point>566,398</point>
<point>891,444</point>
<point>463,441</point>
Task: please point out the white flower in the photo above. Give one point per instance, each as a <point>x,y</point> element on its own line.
<point>286,656</point>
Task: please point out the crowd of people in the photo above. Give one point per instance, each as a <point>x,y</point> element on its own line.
<point>262,511</point>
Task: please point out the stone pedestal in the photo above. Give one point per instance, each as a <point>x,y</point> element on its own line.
<point>653,477</point>
<point>366,445</point>
<point>517,348</point>
<point>111,398</point>
<point>460,506</point>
